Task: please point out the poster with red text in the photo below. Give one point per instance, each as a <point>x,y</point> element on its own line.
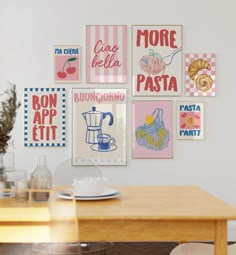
<point>99,126</point>
<point>44,117</point>
<point>67,64</point>
<point>106,54</point>
<point>157,60</point>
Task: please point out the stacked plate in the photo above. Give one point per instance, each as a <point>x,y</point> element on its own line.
<point>6,194</point>
<point>108,193</point>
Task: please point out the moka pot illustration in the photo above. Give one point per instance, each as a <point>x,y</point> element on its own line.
<point>94,120</point>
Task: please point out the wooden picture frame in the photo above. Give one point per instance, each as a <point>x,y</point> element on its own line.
<point>99,126</point>
<point>106,54</point>
<point>157,60</point>
<point>190,120</point>
<point>152,129</point>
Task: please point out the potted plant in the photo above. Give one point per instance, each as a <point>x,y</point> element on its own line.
<point>8,109</point>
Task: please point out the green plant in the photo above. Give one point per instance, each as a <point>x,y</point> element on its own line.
<point>9,106</point>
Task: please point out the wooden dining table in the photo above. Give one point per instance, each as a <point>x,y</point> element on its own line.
<point>141,213</point>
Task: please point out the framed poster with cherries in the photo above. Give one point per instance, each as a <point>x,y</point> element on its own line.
<point>106,54</point>
<point>67,64</point>
<point>157,60</point>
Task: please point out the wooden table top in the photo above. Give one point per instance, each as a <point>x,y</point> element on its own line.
<point>158,202</point>
<point>135,203</point>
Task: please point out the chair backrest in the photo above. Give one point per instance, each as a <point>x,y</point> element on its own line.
<point>51,220</point>
<point>65,172</point>
<point>70,248</point>
<point>63,218</point>
<point>199,249</point>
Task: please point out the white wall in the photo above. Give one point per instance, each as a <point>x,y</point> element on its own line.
<point>30,28</point>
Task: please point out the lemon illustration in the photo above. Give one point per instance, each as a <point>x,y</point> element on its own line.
<point>149,120</point>
<point>149,140</point>
<point>141,133</point>
<point>159,143</point>
<point>162,133</point>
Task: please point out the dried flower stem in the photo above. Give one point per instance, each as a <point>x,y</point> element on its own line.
<point>7,117</point>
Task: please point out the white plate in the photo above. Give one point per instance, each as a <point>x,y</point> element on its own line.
<point>107,194</point>
<point>6,194</point>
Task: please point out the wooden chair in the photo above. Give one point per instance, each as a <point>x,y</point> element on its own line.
<point>65,172</point>
<point>70,248</point>
<point>199,249</point>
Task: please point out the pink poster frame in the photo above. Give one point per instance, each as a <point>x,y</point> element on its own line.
<point>66,59</point>
<point>106,54</point>
<point>152,129</point>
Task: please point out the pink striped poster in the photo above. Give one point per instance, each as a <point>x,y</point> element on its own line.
<point>106,54</point>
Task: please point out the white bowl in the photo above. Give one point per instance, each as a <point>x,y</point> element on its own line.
<point>89,186</point>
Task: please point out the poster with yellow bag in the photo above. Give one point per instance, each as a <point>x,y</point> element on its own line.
<point>152,129</point>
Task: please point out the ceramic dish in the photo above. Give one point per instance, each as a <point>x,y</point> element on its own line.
<point>6,194</point>
<point>107,194</point>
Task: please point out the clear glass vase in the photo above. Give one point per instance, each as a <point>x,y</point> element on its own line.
<point>41,178</point>
<point>2,171</point>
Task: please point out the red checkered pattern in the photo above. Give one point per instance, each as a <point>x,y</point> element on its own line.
<point>190,89</point>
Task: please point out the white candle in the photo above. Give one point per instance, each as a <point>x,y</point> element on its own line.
<point>2,185</point>
<point>21,184</point>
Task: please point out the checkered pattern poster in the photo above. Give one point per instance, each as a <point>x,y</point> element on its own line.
<point>200,74</point>
<point>44,117</point>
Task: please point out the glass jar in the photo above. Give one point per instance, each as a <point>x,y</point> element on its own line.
<point>2,171</point>
<point>41,178</point>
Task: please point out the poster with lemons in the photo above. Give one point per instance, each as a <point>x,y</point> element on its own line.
<point>152,129</point>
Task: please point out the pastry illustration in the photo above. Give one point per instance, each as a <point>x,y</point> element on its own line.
<point>196,66</point>
<point>190,120</point>
<point>203,82</point>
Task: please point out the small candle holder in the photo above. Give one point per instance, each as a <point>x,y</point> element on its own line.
<point>21,185</point>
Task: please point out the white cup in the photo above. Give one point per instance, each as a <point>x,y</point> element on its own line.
<point>89,186</point>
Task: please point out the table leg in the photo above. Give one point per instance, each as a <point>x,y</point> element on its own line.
<point>221,238</point>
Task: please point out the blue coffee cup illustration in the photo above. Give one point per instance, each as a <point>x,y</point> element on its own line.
<point>105,141</point>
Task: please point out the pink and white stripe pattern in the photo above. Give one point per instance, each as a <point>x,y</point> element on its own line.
<point>106,54</point>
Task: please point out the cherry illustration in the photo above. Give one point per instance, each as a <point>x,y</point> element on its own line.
<point>61,75</point>
<point>70,70</point>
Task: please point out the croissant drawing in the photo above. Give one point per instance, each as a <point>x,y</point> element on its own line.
<point>203,82</point>
<point>196,66</point>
